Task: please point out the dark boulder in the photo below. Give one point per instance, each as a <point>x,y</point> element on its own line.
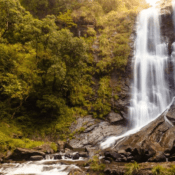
<point>110,154</point>
<point>25,154</point>
<point>76,156</point>
<point>83,154</point>
<point>68,155</point>
<point>57,157</point>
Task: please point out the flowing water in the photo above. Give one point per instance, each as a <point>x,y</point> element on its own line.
<point>150,94</point>
<point>49,166</point>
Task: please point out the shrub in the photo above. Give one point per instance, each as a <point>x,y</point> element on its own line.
<point>171,170</point>
<point>132,168</point>
<point>91,32</point>
<point>95,164</point>
<point>159,170</point>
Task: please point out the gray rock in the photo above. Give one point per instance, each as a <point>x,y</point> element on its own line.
<point>107,162</point>
<point>114,117</point>
<point>95,131</point>
<point>9,153</point>
<point>152,142</point>
<point>35,158</point>
<point>123,152</point>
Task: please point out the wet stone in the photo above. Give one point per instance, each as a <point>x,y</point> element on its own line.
<point>35,158</point>
<point>57,157</point>
<point>76,156</point>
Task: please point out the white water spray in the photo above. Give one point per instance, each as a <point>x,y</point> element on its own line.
<point>150,94</point>
<point>44,167</point>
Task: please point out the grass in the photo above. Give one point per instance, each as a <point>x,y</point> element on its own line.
<point>171,170</point>
<point>132,168</point>
<point>159,170</point>
<point>11,138</point>
<point>95,164</point>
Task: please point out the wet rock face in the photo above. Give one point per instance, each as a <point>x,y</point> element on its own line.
<point>36,158</point>
<point>153,143</point>
<point>95,130</point>
<point>26,154</point>
<point>168,36</point>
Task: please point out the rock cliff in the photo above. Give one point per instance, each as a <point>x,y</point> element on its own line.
<point>153,143</point>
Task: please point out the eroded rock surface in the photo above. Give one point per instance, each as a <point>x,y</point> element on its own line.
<point>91,131</point>
<point>154,143</point>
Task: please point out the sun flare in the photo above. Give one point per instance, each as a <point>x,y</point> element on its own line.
<point>152,2</point>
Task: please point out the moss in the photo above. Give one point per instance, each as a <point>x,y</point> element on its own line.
<point>171,170</point>
<point>116,97</point>
<point>132,168</point>
<point>159,170</point>
<point>82,129</point>
<point>95,164</point>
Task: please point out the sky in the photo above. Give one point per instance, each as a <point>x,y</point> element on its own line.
<point>151,2</point>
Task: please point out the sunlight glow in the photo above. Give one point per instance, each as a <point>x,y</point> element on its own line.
<point>152,2</point>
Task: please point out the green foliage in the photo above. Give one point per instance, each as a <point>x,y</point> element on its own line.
<point>8,140</point>
<point>171,170</point>
<point>89,12</point>
<point>54,146</point>
<point>95,164</point>
<point>159,170</point>
<point>91,32</point>
<point>102,104</point>
<point>65,20</point>
<point>110,5</point>
<point>132,168</point>
<point>42,8</point>
<point>47,74</point>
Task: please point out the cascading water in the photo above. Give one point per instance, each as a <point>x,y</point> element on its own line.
<point>150,94</point>
<point>49,166</point>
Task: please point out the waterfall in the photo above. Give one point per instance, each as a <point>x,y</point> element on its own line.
<point>150,92</point>
<point>150,95</point>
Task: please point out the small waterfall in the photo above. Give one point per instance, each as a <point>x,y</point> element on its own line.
<point>150,94</point>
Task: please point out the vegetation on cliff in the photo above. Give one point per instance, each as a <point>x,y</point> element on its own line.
<point>56,63</point>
